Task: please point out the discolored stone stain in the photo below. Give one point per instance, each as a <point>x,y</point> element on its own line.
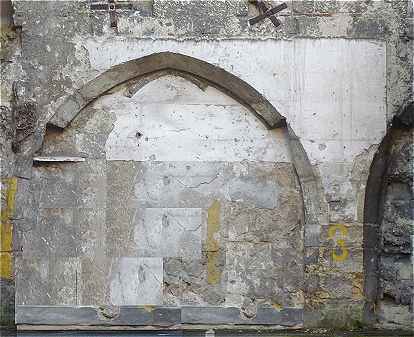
<point>213,226</point>
<point>6,230</point>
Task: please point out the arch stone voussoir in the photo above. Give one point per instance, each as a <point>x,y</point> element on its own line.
<point>215,76</point>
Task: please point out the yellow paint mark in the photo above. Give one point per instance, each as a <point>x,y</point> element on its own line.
<point>213,226</point>
<point>6,270</point>
<point>277,306</point>
<point>148,308</point>
<point>333,229</point>
<point>10,193</point>
<point>6,237</point>
<point>6,229</point>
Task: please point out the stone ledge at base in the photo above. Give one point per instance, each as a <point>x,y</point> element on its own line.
<point>154,316</point>
<point>204,333</point>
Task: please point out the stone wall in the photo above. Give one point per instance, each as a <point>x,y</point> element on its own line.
<point>337,72</point>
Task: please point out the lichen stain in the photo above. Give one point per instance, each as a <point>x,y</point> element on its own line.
<point>6,229</point>
<point>213,226</point>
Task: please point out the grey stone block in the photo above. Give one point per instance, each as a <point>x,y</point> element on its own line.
<point>23,166</point>
<point>31,281</point>
<point>312,235</point>
<point>25,201</point>
<point>90,316</point>
<point>219,315</point>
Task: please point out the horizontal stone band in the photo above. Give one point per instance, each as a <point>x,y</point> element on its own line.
<point>153,315</point>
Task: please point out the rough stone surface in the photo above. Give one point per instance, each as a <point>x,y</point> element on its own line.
<point>263,230</point>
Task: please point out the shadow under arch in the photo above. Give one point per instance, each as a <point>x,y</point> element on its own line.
<point>213,75</point>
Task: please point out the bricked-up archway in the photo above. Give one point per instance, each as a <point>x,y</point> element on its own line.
<point>152,66</point>
<point>140,72</point>
<point>387,212</point>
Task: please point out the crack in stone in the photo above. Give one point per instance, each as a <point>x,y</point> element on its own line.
<point>199,184</point>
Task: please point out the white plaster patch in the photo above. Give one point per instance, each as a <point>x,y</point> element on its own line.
<point>330,90</point>
<point>137,281</point>
<point>184,130</point>
<point>169,232</point>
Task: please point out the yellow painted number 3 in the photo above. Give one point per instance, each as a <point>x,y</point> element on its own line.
<point>339,242</point>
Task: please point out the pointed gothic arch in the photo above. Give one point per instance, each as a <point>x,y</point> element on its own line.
<point>148,65</point>
<point>146,69</point>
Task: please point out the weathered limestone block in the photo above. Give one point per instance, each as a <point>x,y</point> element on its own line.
<point>46,281</point>
<point>186,282</point>
<point>93,280</point>
<point>137,281</point>
<point>32,281</point>
<point>207,17</point>
<point>168,232</point>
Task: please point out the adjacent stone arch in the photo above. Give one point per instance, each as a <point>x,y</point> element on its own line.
<point>388,187</point>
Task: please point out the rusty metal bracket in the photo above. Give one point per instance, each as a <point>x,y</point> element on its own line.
<point>267,13</point>
<point>112,14</point>
<point>111,6</point>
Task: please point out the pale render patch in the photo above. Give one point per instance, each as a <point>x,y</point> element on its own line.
<point>137,281</point>
<point>200,127</point>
